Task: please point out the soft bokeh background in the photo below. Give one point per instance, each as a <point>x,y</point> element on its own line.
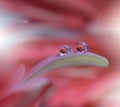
<point>32,30</point>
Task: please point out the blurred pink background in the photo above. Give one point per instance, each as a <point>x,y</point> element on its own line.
<point>32,30</point>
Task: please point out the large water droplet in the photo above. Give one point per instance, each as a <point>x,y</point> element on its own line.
<point>82,47</point>
<point>65,50</point>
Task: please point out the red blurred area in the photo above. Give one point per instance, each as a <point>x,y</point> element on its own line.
<point>70,90</point>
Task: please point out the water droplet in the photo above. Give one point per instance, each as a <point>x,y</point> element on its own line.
<point>65,50</point>
<point>82,47</point>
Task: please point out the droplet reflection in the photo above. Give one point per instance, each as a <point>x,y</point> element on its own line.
<point>82,47</point>
<point>65,50</point>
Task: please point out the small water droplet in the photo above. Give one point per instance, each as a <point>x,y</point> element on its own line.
<point>82,47</point>
<point>65,50</point>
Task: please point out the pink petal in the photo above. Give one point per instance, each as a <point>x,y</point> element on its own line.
<point>9,78</point>
<point>101,86</point>
<point>25,96</point>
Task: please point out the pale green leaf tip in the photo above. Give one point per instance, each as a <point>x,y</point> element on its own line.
<point>73,59</point>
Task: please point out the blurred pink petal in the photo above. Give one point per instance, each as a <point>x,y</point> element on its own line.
<point>70,90</point>
<point>26,95</point>
<point>8,79</point>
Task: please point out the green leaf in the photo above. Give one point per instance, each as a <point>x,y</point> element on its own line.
<point>74,59</point>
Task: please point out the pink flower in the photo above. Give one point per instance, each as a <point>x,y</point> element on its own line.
<point>72,87</point>
<point>15,94</point>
